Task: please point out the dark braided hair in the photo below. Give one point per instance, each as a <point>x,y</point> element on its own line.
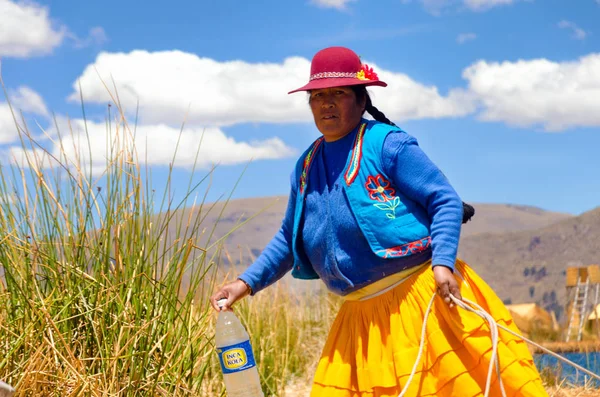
<point>361,93</point>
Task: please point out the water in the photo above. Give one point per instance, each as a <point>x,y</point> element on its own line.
<point>236,357</point>
<point>562,370</point>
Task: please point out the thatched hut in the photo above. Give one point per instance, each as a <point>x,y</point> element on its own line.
<point>531,316</point>
<point>594,321</point>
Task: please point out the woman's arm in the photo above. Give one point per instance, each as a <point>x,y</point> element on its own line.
<point>272,264</point>
<point>421,180</point>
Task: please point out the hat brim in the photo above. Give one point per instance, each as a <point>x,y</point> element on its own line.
<point>337,82</point>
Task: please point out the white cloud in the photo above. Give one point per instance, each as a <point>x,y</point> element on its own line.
<point>339,4</point>
<point>28,158</point>
<point>464,37</point>
<point>96,36</point>
<point>406,99</point>
<point>26,30</point>
<point>578,33</point>
<point>480,5</point>
<point>555,95</point>
<point>169,84</point>
<point>156,145</point>
<point>27,100</point>
<point>8,129</point>
<point>437,6</point>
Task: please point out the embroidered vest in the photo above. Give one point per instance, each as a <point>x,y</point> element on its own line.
<point>393,224</point>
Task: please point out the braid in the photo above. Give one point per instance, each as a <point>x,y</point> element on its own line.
<point>361,92</point>
<point>376,113</point>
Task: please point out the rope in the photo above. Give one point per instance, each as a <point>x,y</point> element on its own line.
<point>494,360</point>
<point>421,346</point>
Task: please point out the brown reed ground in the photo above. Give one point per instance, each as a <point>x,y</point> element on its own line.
<point>558,391</point>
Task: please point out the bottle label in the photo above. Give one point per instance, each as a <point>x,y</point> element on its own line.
<point>236,358</point>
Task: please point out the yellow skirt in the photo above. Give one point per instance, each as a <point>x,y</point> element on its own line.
<point>373,344</point>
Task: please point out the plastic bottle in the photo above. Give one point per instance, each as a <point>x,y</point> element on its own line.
<point>236,356</point>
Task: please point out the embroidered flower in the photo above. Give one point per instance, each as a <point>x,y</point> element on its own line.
<point>366,73</point>
<point>379,188</point>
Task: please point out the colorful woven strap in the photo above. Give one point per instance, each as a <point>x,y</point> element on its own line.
<point>307,162</point>
<point>354,165</point>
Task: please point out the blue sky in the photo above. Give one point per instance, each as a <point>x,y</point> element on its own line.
<point>504,95</point>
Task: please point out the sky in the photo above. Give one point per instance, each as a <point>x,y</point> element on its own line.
<point>503,95</point>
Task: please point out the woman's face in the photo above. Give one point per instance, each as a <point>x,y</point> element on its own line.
<point>336,111</point>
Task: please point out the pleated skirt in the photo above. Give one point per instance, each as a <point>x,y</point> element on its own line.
<point>373,344</point>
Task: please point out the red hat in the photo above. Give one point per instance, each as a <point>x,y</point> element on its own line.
<point>338,67</point>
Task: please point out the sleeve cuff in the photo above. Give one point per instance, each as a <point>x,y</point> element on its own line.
<point>447,263</point>
<point>249,283</point>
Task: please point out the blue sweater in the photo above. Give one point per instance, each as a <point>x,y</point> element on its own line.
<point>339,238</point>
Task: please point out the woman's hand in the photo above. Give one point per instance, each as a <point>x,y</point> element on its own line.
<point>233,292</point>
<point>446,284</point>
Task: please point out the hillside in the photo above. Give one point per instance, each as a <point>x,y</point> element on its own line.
<point>263,216</point>
<point>253,236</point>
<point>529,265</point>
<point>500,218</point>
<point>521,251</point>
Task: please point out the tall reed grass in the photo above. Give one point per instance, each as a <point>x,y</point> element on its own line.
<point>92,298</point>
<point>104,284</point>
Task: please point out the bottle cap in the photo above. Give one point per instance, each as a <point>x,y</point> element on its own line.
<point>221,302</point>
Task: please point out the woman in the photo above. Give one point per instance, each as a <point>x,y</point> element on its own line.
<point>379,223</point>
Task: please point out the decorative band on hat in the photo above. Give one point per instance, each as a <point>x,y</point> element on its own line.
<point>328,75</point>
<point>365,73</point>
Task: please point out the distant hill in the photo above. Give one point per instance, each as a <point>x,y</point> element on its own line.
<point>529,265</point>
<point>500,218</point>
<point>521,251</point>
<point>263,216</point>
<point>256,234</point>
